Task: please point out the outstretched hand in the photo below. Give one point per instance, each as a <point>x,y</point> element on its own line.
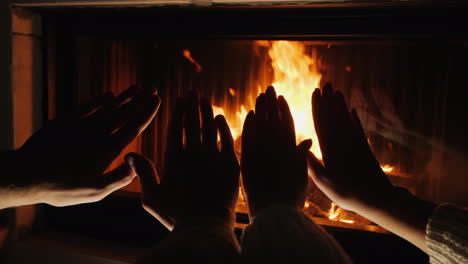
<point>274,169</point>
<point>63,163</point>
<point>350,176</point>
<point>200,181</point>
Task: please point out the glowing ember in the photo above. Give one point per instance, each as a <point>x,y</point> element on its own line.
<point>188,55</point>
<point>387,168</point>
<point>335,212</point>
<point>232,92</point>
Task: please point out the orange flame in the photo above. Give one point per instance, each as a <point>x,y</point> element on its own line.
<point>295,77</point>
<point>188,55</point>
<point>334,213</point>
<point>387,168</point>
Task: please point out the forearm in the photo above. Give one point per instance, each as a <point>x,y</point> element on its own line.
<point>401,213</point>
<point>11,194</point>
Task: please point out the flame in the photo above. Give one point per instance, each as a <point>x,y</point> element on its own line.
<point>232,92</point>
<point>187,54</point>
<point>335,212</point>
<point>236,122</point>
<point>295,78</point>
<point>387,168</point>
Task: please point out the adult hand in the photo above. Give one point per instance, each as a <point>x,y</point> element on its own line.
<point>63,163</point>
<point>351,176</point>
<point>274,169</point>
<point>200,182</point>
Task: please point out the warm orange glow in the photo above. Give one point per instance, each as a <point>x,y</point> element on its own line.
<point>188,55</point>
<point>334,213</point>
<point>387,168</point>
<point>295,77</point>
<point>232,92</point>
<point>236,122</point>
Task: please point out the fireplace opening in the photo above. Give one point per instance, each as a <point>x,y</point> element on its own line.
<point>392,85</point>
<point>401,68</point>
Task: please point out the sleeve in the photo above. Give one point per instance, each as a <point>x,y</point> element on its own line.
<point>200,241</point>
<point>447,235</point>
<point>281,234</point>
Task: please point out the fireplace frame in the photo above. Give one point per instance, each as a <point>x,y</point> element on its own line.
<point>33,23</point>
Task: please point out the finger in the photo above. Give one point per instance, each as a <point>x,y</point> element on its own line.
<point>175,131</point>
<point>208,124</point>
<point>92,107</point>
<point>316,169</point>
<point>342,115</point>
<point>227,143</point>
<point>136,124</point>
<point>316,114</point>
<point>260,118</point>
<point>304,146</point>
<point>149,180</point>
<point>124,108</point>
<point>260,109</point>
<point>361,135</point>
<point>192,121</point>
<point>327,90</point>
<point>325,122</point>
<point>272,106</point>
<point>115,179</point>
<point>286,121</point>
<point>145,171</point>
<point>125,96</point>
<point>249,135</point>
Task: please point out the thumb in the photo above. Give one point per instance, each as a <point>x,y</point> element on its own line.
<point>316,169</point>
<point>304,146</point>
<point>145,171</point>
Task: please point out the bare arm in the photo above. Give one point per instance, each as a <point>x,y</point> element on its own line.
<point>65,162</point>
<point>353,179</point>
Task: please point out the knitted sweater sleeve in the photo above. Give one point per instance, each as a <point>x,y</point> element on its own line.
<point>447,235</point>
<point>280,234</point>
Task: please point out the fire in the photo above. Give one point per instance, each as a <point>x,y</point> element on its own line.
<point>295,77</point>
<point>187,54</point>
<point>387,168</point>
<point>334,214</point>
<point>235,123</point>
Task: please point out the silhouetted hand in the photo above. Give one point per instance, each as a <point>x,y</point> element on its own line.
<point>274,169</point>
<point>63,163</point>
<point>351,176</point>
<point>200,182</point>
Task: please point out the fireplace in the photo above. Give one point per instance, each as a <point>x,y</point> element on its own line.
<point>397,64</point>
<point>374,76</point>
